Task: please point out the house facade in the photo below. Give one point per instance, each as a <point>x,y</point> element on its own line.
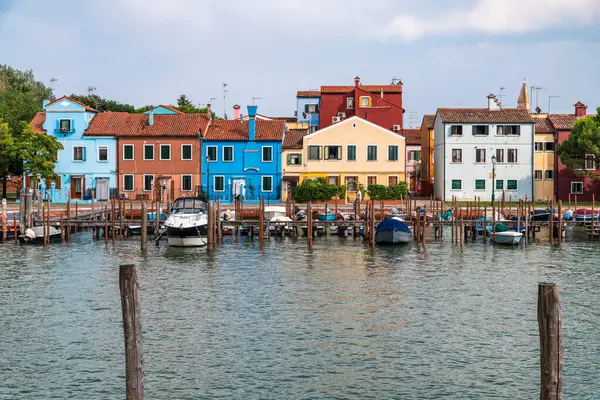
<point>570,184</point>
<point>543,158</point>
<point>155,149</point>
<point>468,141</point>
<point>308,103</point>
<point>243,158</point>
<point>291,161</point>
<point>86,167</point>
<point>413,158</point>
<point>353,151</point>
<point>427,147</point>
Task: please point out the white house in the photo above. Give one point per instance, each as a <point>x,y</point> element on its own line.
<point>469,140</point>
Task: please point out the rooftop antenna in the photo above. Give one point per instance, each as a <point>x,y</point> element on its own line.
<point>549,100</point>
<point>413,118</point>
<point>225,90</point>
<point>53,80</point>
<point>537,92</point>
<point>502,89</point>
<point>256,98</point>
<point>396,81</point>
<point>91,90</point>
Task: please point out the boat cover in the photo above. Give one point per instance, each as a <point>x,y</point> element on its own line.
<point>392,224</point>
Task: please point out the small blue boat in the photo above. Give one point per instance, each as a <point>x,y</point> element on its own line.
<point>327,217</point>
<point>392,231</point>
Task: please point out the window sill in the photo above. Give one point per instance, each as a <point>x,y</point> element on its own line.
<point>77,161</point>
<point>267,161</point>
<point>128,159</point>
<point>455,190</point>
<point>148,159</point>
<point>128,190</point>
<point>164,159</point>
<point>64,132</point>
<point>102,161</point>
<point>456,162</point>
<point>455,135</point>
<point>480,134</point>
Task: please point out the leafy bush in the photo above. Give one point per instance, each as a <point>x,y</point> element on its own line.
<point>381,192</point>
<point>318,190</point>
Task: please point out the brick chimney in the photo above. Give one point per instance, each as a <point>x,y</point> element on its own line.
<point>580,109</point>
<point>236,112</point>
<point>356,81</point>
<point>209,111</point>
<point>252,122</point>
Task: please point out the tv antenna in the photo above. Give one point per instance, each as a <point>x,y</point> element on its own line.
<point>53,80</point>
<point>91,90</point>
<point>396,81</point>
<point>537,94</point>
<point>501,96</point>
<point>255,98</point>
<point>225,90</point>
<point>413,118</point>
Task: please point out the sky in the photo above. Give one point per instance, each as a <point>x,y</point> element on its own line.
<point>447,53</point>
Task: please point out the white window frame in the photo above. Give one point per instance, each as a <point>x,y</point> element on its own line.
<point>535,171</point>
<point>376,151</point>
<point>512,190</point>
<point>191,152</point>
<point>232,154</point>
<point>461,185</point>
<point>578,192</point>
<point>585,162</point>
<point>70,125</point>
<point>132,183</point>
<point>153,152</point>
<point>191,183</point>
<point>290,158</point>
<point>462,128</point>
<point>98,154</point>
<point>503,158</point>
<point>362,98</point>
<point>497,181</point>
<point>160,146</point>
<point>516,156</point>
<point>349,102</point>
<point>215,183</point>
<point>397,152</point>
<point>309,106</point>
<point>484,156</point>
<point>82,154</point>
<point>132,152</point>
<point>262,153</point>
<point>452,157</point>
<point>262,183</point>
<point>144,183</point>
<point>216,154</point>
<point>475,185</point>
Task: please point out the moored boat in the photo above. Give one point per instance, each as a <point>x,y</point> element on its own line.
<point>35,235</point>
<point>187,224</point>
<point>585,215</point>
<point>392,231</point>
<point>540,215</point>
<point>503,235</point>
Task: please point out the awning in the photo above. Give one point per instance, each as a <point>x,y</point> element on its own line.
<point>291,178</point>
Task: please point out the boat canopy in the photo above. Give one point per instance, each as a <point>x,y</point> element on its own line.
<point>392,224</point>
<point>189,205</point>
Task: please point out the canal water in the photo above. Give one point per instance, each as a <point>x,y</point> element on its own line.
<point>279,321</point>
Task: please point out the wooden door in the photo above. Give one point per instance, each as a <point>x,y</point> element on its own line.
<point>77,188</point>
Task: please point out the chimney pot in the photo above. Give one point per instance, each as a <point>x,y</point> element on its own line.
<point>580,109</point>
<point>236,111</point>
<point>252,122</point>
<point>356,81</point>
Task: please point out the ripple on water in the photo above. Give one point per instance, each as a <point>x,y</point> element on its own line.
<point>341,321</point>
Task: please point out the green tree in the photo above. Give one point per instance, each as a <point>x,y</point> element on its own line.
<point>584,140</point>
<point>38,152</point>
<point>184,101</point>
<point>8,152</point>
<point>318,190</point>
<point>102,104</point>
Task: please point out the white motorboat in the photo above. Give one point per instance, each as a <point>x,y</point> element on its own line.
<point>508,237</point>
<point>278,224</point>
<point>187,224</point>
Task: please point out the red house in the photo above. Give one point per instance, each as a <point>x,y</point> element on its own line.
<point>380,104</point>
<point>567,183</point>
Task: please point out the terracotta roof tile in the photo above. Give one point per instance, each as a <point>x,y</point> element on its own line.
<point>308,93</point>
<point>87,108</point>
<point>293,138</point>
<point>483,115</point>
<point>125,124</point>
<point>562,121</point>
<point>412,135</point>
<point>171,108</point>
<point>543,125</point>
<point>428,121</point>
<point>368,88</point>
<point>37,123</point>
<point>271,130</point>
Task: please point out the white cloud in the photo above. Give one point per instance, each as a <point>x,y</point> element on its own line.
<point>496,17</point>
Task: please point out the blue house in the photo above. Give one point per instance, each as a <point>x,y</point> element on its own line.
<point>243,158</point>
<point>308,103</point>
<point>86,165</point>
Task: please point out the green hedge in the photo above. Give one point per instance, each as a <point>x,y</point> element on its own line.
<point>381,192</point>
<point>319,190</point>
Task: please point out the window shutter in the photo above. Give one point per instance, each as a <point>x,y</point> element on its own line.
<point>320,151</point>
<point>300,158</point>
<point>339,157</point>
<point>289,159</point>
<point>72,125</point>
<point>83,153</point>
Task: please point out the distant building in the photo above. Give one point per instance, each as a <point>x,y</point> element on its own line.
<point>292,161</point>
<point>543,158</point>
<point>466,141</point>
<point>86,167</point>
<point>413,158</point>
<point>380,104</point>
<point>243,158</point>
<point>427,147</point>
<point>352,152</point>
<point>574,184</point>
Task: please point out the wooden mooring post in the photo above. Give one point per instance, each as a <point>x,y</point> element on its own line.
<point>309,230</point>
<point>210,238</point>
<point>15,227</point>
<point>144,232</point>
<point>105,224</point>
<point>372,225</point>
<point>551,351</point>
<point>559,222</point>
<point>132,329</point>
<point>113,226</point>
<point>4,220</point>
<point>69,221</point>
<point>261,221</point>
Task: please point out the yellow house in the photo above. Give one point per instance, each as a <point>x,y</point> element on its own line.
<point>543,158</point>
<point>346,153</point>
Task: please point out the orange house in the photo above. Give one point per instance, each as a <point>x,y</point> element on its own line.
<point>155,151</point>
<point>427,147</point>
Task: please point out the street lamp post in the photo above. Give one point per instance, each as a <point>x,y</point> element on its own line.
<point>207,177</point>
<point>493,178</point>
